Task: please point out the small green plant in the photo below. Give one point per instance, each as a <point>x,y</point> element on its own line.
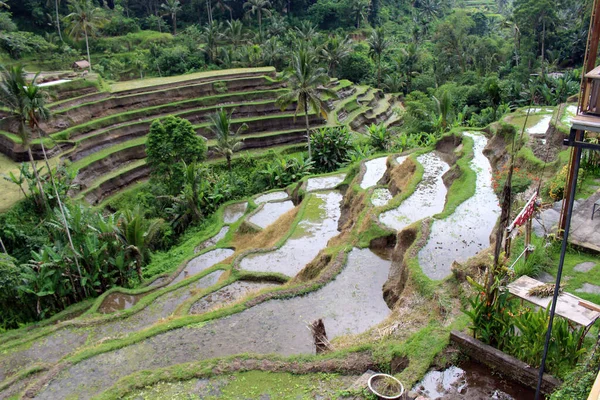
<point>379,137</point>
<point>331,148</point>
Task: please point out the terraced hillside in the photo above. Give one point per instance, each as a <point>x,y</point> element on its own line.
<point>103,134</point>
<point>321,248</point>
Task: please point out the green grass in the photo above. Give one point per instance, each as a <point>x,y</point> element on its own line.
<point>112,174</point>
<point>145,83</point>
<point>79,164</point>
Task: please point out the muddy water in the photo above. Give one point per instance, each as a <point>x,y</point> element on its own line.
<point>270,212</point>
<point>375,170</point>
<point>119,301</point>
<point>381,197</point>
<point>310,236</point>
<point>234,212</point>
<point>212,241</point>
<point>352,303</point>
<point>541,127</point>
<point>466,232</point>
<point>228,295</point>
<point>472,381</point>
<point>570,113</point>
<point>324,182</point>
<point>271,197</point>
<point>161,307</point>
<point>428,198</point>
<point>201,263</point>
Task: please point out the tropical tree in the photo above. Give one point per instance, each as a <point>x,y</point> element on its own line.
<point>172,7</point>
<point>56,4</point>
<point>378,44</point>
<point>443,107</point>
<point>306,84</point>
<point>359,10</point>
<point>234,32</point>
<point>334,51</point>
<point>228,140</point>
<point>137,234</point>
<point>211,33</point>
<point>258,7</point>
<point>12,96</point>
<point>84,21</point>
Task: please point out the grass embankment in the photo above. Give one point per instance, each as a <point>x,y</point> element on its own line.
<point>144,83</point>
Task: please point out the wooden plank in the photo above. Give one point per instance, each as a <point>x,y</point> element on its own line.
<point>589,306</point>
<point>507,365</point>
<point>567,305</point>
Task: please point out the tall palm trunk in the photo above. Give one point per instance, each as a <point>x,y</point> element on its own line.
<point>41,200</point>
<point>58,21</point>
<point>62,212</point>
<point>87,46</point>
<point>307,127</point>
<point>543,43</point>
<point>2,245</point>
<point>260,24</point>
<point>379,71</point>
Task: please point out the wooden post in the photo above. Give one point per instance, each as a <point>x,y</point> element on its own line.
<point>568,185</point>
<point>528,228</point>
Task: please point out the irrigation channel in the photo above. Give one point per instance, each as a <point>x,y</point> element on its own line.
<point>351,303</point>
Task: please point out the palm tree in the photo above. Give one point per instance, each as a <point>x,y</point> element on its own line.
<point>258,7</point>
<point>56,3</point>
<point>211,33</point>
<point>378,44</point>
<point>306,84</point>
<point>84,20</point>
<point>359,9</point>
<point>172,7</point>
<point>228,141</point>
<point>234,32</point>
<point>12,87</point>
<point>334,51</point>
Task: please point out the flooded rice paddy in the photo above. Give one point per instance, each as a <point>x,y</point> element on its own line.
<point>320,223</point>
<point>202,263</point>
<point>118,301</point>
<point>280,195</point>
<point>162,307</point>
<point>228,295</point>
<point>212,241</point>
<point>352,303</point>
<point>374,172</point>
<point>467,231</point>
<point>470,381</point>
<point>234,212</point>
<point>541,126</point>
<point>324,182</point>
<point>428,198</point>
<point>270,212</point>
<point>381,197</point>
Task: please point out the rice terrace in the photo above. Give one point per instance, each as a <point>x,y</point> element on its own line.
<point>341,199</point>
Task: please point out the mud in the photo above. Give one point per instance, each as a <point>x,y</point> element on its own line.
<point>428,198</point>
<point>228,295</point>
<point>470,381</point>
<point>466,232</point>
<point>202,263</point>
<point>374,172</point>
<point>352,303</point>
<point>324,182</point>
<point>310,236</point>
<point>234,212</point>
<point>270,197</point>
<point>270,213</point>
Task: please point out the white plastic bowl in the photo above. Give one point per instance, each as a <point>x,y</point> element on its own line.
<point>397,396</point>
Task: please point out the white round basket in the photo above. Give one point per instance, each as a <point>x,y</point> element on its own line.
<point>397,396</point>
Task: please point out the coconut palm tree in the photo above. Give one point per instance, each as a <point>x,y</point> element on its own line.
<point>306,84</point>
<point>334,51</point>
<point>172,7</point>
<point>228,141</point>
<point>84,21</point>
<point>12,87</point>
<point>359,9</point>
<point>56,4</point>
<point>258,7</point>
<point>234,32</point>
<point>378,44</point>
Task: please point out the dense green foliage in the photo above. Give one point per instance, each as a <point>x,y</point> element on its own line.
<point>331,148</point>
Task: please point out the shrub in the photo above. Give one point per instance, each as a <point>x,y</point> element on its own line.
<point>357,67</point>
<point>379,137</point>
<point>330,147</point>
<point>556,186</point>
<point>119,25</point>
<point>19,44</point>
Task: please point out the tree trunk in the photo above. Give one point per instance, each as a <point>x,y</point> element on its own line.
<point>87,46</point>
<point>2,245</point>
<point>37,176</point>
<point>307,127</point>
<point>174,24</point>
<point>229,163</point>
<point>379,71</point>
<point>543,43</point>
<point>58,21</point>
<point>260,24</point>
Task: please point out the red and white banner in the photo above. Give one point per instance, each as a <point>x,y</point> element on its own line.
<point>525,214</point>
